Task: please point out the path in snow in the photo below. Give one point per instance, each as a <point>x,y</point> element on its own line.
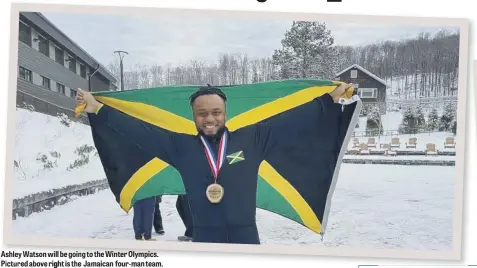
<point>385,206</point>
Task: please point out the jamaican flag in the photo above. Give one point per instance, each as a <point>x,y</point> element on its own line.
<point>295,183</point>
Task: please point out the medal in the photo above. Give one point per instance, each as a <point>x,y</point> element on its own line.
<point>215,191</point>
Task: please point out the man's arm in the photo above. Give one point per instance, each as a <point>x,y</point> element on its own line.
<point>285,128</point>
<point>152,139</point>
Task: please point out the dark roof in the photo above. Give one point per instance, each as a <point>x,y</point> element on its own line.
<point>375,77</point>
<point>48,27</point>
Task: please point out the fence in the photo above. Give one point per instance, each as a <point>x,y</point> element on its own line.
<point>393,132</point>
<point>43,106</point>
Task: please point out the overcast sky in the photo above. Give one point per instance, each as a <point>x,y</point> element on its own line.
<point>151,40</point>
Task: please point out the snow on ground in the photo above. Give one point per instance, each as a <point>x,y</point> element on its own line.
<point>38,133</point>
<point>390,121</point>
<point>374,206</point>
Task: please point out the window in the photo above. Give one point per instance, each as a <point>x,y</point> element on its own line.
<point>60,88</point>
<point>83,71</point>
<point>44,46</point>
<point>72,93</point>
<point>72,64</point>
<point>46,82</point>
<point>368,93</point>
<point>25,33</point>
<point>25,74</point>
<point>354,73</point>
<point>59,56</point>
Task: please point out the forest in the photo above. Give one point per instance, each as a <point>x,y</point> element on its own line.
<point>423,66</point>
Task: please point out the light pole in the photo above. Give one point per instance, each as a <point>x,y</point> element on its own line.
<point>91,75</point>
<point>121,66</point>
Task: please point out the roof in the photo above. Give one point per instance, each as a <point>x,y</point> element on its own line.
<point>46,25</point>
<point>364,71</point>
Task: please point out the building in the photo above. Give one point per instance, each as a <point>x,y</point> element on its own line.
<point>370,88</point>
<point>50,64</point>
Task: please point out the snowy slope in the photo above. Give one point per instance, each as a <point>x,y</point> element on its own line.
<point>398,84</point>
<point>41,136</point>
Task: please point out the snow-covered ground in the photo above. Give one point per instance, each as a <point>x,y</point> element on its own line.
<point>374,206</point>
<point>398,84</point>
<point>390,120</point>
<point>36,135</point>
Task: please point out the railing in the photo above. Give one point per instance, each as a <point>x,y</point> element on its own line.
<point>25,99</point>
<point>45,200</point>
<point>394,132</point>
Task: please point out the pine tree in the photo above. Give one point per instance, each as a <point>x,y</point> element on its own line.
<point>454,126</point>
<point>409,122</point>
<point>373,122</point>
<point>421,120</point>
<point>307,52</point>
<point>446,118</point>
<point>433,121</point>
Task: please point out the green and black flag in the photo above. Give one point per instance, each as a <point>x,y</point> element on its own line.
<point>296,181</point>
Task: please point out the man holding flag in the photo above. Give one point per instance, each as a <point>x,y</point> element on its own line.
<point>218,166</point>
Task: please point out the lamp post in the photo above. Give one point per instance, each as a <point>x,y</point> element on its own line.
<point>91,75</point>
<point>121,66</point>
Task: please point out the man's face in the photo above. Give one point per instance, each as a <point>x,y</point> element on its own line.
<point>209,113</point>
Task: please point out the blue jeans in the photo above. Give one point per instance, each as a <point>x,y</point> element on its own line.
<point>143,217</point>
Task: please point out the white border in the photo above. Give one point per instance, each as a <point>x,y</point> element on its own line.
<point>455,254</point>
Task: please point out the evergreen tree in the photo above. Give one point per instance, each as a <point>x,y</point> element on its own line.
<point>373,122</point>
<point>409,122</point>
<point>307,52</point>
<point>454,126</point>
<point>421,120</point>
<point>446,118</point>
<point>433,121</point>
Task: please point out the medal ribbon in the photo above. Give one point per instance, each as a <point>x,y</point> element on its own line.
<point>215,163</point>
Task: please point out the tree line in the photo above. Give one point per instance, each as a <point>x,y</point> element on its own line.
<point>423,66</point>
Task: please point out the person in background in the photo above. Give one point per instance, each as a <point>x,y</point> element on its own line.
<point>182,207</point>
<point>158,227</point>
<point>142,218</point>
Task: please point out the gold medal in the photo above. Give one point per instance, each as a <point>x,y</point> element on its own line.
<point>215,193</point>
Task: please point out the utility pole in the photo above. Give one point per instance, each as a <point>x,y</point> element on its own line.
<point>121,66</point>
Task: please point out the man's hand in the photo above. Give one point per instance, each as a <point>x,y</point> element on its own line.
<point>84,97</point>
<point>339,91</point>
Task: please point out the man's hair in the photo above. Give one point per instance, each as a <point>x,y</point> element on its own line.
<point>208,90</point>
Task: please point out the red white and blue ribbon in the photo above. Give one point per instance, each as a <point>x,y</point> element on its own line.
<point>216,163</point>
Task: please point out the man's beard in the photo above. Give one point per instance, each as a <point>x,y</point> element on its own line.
<point>212,137</point>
